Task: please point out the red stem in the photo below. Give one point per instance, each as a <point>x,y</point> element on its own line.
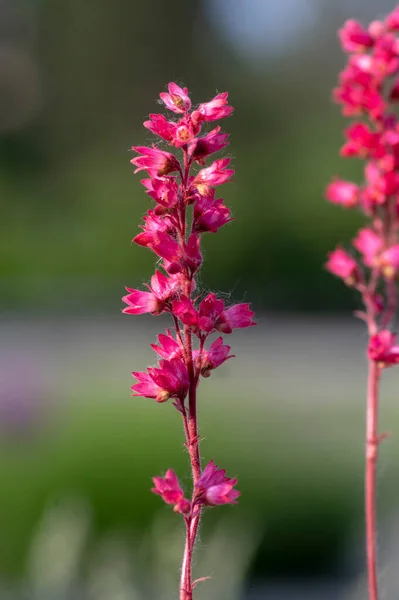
<point>190,421</point>
<point>372,441</point>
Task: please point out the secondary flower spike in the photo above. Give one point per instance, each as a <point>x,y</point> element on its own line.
<point>180,183</point>
<point>368,92</point>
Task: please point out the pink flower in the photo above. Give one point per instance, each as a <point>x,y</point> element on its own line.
<point>155,161</point>
<point>210,310</point>
<point>210,359</point>
<point>159,242</point>
<point>362,142</point>
<point>382,348</point>
<point>184,133</point>
<point>163,190</point>
<point>213,218</point>
<point>214,110</point>
<point>343,192</point>
<point>177,99</point>
<point>170,380</point>
<point>354,37</point>
<point>210,143</point>
<point>169,348</point>
<point>392,20</point>
<point>368,243</point>
<point>389,261</point>
<point>213,487</point>
<point>185,311</point>
<point>235,317</point>
<point>341,264</point>
<point>216,174</point>
<point>162,290</point>
<point>159,125</point>
<point>169,489</point>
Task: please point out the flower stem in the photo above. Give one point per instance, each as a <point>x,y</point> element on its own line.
<point>372,441</point>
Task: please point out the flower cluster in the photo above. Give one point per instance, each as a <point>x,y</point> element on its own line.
<point>184,208</point>
<point>369,88</point>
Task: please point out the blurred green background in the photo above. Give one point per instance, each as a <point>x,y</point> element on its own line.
<point>77,454</point>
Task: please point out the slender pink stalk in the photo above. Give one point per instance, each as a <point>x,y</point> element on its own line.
<point>185,209</point>
<point>369,86</point>
<point>372,442</point>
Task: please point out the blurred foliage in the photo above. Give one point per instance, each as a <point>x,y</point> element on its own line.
<point>70,201</point>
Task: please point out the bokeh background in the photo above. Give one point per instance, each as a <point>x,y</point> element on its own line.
<point>77,454</point>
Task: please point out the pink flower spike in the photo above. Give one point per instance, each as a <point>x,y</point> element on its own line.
<point>177,99</point>
<point>214,110</point>
<point>160,126</point>
<point>343,192</point>
<point>383,350</point>
<point>155,161</point>
<point>235,317</point>
<point>214,488</point>
<point>354,37</point>
<point>169,489</point>
<point>341,264</point>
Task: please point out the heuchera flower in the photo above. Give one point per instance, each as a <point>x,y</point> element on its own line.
<point>210,359</point>
<point>213,110</point>
<point>216,174</point>
<point>383,348</point>
<point>162,291</point>
<point>354,38</point>
<point>169,348</point>
<point>213,487</point>
<point>368,243</point>
<point>169,489</point>
<point>156,162</point>
<point>208,144</point>
<point>343,265</point>
<point>343,192</point>
<point>170,380</point>
<point>177,99</point>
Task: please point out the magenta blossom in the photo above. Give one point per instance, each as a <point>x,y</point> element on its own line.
<point>213,218</point>
<point>185,209</point>
<point>215,109</point>
<point>210,143</point>
<point>177,99</point>
<point>343,265</point>
<point>159,125</point>
<point>156,162</point>
<point>162,290</point>
<point>354,37</point>
<point>383,349</point>
<point>343,192</point>
<point>170,380</point>
<point>169,348</point>
<point>214,175</point>
<point>169,489</point>
<point>208,360</point>
<point>213,487</point>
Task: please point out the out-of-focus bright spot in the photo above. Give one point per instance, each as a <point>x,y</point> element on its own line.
<point>257,27</point>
